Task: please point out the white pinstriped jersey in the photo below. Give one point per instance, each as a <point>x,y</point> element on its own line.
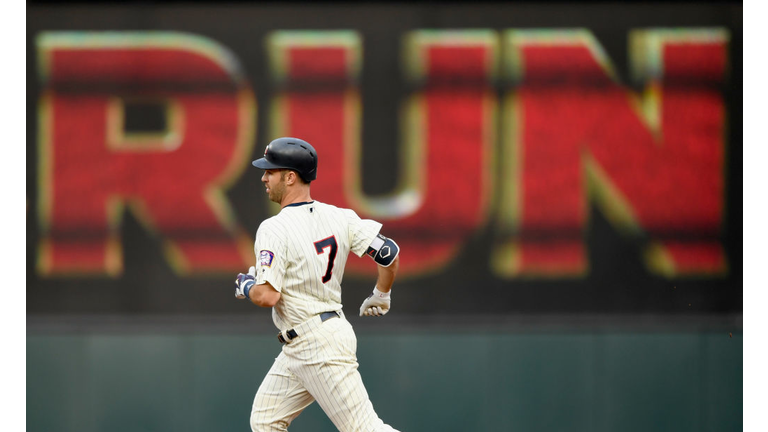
<point>302,252</point>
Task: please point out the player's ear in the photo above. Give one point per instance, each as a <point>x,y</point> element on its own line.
<point>290,177</point>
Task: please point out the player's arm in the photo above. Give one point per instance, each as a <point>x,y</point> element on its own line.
<point>387,275</point>
<point>386,253</point>
<point>263,288</point>
<point>264,295</point>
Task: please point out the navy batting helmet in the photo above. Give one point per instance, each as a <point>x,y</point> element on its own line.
<point>290,153</point>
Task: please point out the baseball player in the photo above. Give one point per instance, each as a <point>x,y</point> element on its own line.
<point>301,254</point>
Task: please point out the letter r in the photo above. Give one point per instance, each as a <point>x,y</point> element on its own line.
<point>91,167</point>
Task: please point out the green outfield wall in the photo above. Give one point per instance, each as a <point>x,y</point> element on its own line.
<point>432,381</point>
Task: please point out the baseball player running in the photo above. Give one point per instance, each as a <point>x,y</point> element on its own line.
<point>301,254</point>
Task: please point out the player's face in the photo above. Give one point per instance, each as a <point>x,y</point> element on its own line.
<point>274,181</point>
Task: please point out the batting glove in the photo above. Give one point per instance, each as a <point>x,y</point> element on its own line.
<point>377,304</point>
<point>244,282</point>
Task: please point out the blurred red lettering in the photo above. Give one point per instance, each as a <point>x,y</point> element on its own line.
<point>172,179</point>
<point>652,164</point>
<point>571,135</point>
<point>443,198</point>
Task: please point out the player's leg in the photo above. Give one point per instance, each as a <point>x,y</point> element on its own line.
<point>326,362</point>
<point>280,399</point>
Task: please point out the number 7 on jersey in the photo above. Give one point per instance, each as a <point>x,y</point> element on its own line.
<point>320,246</point>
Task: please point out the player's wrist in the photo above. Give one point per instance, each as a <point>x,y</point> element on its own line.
<point>380,294</point>
<point>247,288</point>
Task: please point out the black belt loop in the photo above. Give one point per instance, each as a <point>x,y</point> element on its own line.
<point>292,333</point>
<point>328,315</point>
<point>291,336</point>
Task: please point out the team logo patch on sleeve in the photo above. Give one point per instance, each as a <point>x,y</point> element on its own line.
<point>266,257</point>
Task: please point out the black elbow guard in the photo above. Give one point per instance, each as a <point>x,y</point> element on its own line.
<point>383,250</point>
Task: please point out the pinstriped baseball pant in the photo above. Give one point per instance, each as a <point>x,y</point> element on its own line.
<point>320,365</point>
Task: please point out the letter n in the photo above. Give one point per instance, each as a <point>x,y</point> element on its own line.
<point>652,163</point>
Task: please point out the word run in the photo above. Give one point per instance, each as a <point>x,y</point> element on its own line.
<point>564,134</point>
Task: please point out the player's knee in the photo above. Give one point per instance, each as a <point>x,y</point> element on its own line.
<point>260,424</point>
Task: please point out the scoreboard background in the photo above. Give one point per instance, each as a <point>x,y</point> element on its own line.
<point>611,272</point>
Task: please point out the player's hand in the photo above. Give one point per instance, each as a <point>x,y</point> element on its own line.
<point>244,282</point>
<point>377,304</point>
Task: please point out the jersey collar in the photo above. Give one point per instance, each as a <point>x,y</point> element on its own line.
<point>300,204</point>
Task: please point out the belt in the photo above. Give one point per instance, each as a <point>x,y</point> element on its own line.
<point>289,335</point>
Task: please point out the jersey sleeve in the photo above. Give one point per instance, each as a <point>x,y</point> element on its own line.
<point>270,258</point>
<point>361,232</point>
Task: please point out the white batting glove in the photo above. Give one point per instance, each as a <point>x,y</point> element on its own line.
<point>377,304</point>
<point>244,282</point>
